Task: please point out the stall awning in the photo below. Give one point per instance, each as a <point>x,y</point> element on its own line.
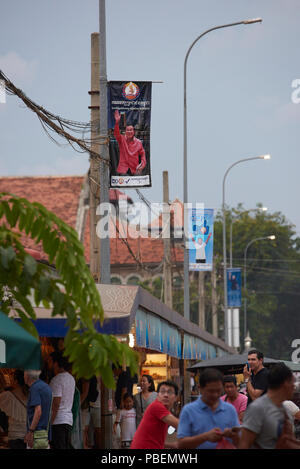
<point>158,327</point>
<point>154,333</point>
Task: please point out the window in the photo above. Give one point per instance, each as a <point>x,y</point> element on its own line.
<point>133,280</point>
<point>115,281</point>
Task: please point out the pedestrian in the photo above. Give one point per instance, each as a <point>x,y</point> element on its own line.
<point>233,396</point>
<point>63,388</point>
<point>255,375</point>
<point>205,422</point>
<point>38,411</point>
<point>145,397</point>
<point>292,408</point>
<point>13,402</point>
<point>94,397</point>
<point>126,418</point>
<point>266,423</point>
<point>124,384</point>
<point>152,430</point>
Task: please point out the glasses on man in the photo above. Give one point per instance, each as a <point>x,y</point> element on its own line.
<point>166,391</point>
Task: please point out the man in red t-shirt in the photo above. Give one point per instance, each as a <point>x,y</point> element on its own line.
<point>152,430</point>
<point>132,153</point>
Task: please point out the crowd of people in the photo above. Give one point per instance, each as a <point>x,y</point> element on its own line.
<point>53,410</point>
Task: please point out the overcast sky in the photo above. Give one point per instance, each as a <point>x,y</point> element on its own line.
<point>239,87</point>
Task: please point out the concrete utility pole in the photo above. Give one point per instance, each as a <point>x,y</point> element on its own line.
<point>104,150</point>
<point>95,181</point>
<point>167,268</point>
<point>214,300</point>
<point>201,301</point>
<point>94,163</point>
<point>106,394</point>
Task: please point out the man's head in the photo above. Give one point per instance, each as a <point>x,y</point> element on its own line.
<point>30,376</point>
<point>281,378</point>
<point>211,386</point>
<point>255,360</point>
<point>59,362</point>
<point>129,132</point>
<point>167,393</point>
<point>230,386</point>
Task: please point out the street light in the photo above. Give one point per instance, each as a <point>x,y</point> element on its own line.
<point>245,277</point>
<point>185,187</point>
<point>244,160</point>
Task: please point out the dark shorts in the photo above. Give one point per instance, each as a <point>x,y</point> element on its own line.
<point>200,261</point>
<point>61,437</point>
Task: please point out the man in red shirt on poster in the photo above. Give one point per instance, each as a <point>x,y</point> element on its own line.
<point>131,150</point>
<point>152,431</point>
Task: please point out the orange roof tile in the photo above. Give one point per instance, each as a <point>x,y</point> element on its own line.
<point>60,194</point>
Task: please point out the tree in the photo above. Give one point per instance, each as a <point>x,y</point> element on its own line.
<point>73,292</point>
<point>273,276</point>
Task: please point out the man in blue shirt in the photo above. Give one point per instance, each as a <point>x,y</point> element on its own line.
<point>38,404</point>
<point>204,422</point>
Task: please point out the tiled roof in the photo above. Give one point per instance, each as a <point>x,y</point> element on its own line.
<point>60,194</point>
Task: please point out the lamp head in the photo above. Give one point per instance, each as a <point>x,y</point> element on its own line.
<point>272,237</point>
<point>255,20</point>
<point>266,157</point>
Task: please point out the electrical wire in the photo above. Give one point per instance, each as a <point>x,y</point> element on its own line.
<point>57,124</point>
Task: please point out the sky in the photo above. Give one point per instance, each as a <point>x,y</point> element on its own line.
<point>243,91</point>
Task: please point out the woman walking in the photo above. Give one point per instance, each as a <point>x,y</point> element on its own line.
<point>145,397</point>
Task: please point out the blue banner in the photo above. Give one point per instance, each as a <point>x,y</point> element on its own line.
<point>234,290</point>
<point>201,228</point>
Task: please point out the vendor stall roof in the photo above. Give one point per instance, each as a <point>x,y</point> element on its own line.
<point>120,304</point>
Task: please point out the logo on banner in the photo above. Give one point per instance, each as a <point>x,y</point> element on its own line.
<point>130,91</point>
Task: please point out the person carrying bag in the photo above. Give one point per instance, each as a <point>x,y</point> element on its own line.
<point>41,437</point>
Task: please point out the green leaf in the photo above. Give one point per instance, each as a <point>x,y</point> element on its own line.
<point>7,256</point>
<point>30,265</point>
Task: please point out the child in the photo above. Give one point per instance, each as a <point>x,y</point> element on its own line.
<point>127,420</point>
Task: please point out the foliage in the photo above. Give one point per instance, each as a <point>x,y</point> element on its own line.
<point>273,276</point>
<point>273,279</point>
<point>72,293</point>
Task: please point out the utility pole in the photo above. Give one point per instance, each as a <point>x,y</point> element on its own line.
<point>201,301</point>
<point>94,163</point>
<point>95,180</point>
<point>214,299</point>
<point>106,394</point>
<point>166,217</point>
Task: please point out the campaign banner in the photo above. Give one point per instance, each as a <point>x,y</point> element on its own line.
<point>201,228</point>
<point>234,288</point>
<point>129,121</point>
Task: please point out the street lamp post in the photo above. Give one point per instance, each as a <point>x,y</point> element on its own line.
<point>185,187</point>
<point>244,160</point>
<point>245,277</point>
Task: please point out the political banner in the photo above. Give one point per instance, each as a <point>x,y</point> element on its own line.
<point>129,120</point>
<point>234,284</point>
<point>201,228</point>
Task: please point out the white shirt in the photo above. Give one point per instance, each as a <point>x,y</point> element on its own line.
<point>128,424</point>
<point>63,385</point>
<point>291,406</point>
